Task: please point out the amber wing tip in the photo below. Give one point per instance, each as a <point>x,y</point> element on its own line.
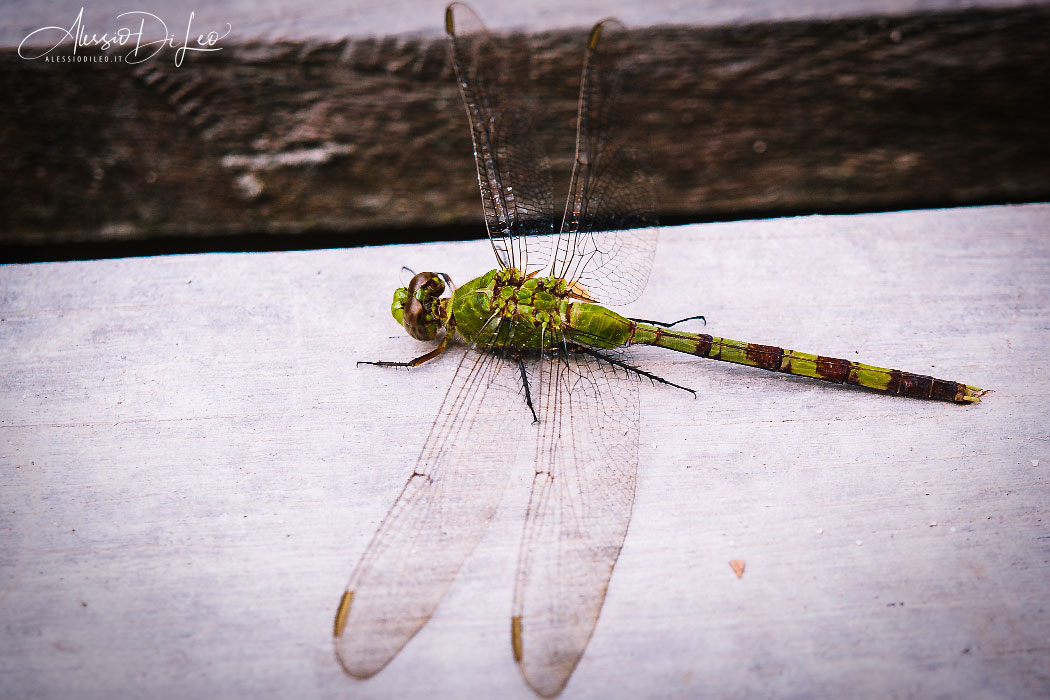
<point>515,637</point>
<point>341,612</point>
<point>450,25</point>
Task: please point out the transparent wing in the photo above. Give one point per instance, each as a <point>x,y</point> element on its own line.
<point>608,235</point>
<point>582,494</point>
<point>440,516</point>
<point>517,193</point>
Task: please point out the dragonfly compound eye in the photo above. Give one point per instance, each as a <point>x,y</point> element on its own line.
<point>397,308</point>
<point>430,283</point>
<point>411,313</point>
<point>416,306</point>
<point>417,321</point>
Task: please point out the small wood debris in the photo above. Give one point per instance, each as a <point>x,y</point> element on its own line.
<point>738,567</point>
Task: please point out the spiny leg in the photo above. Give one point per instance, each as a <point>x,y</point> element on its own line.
<point>669,325</point>
<point>440,348</point>
<point>525,383</point>
<point>630,368</point>
<point>502,348</point>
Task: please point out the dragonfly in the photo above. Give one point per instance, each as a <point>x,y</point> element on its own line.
<point>536,340</point>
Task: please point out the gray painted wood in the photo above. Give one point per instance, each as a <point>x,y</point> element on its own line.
<point>192,464</point>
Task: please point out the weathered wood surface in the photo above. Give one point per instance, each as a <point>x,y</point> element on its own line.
<point>337,19</point>
<point>192,464</point>
<point>341,137</point>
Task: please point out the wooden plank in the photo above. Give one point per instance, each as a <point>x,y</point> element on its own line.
<point>338,19</point>
<point>192,464</point>
<point>344,138</point>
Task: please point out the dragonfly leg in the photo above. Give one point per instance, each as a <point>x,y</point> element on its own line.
<point>440,348</point>
<point>668,325</point>
<point>631,368</point>
<point>525,383</point>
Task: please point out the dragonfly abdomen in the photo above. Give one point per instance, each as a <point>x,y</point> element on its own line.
<point>831,369</point>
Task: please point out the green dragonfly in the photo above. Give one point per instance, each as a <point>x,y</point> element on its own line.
<point>535,336</point>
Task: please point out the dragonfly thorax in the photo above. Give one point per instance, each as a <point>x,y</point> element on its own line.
<point>509,308</point>
<point>540,301</point>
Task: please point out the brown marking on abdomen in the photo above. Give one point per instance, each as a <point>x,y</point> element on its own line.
<point>765,356</point>
<point>703,345</point>
<point>945,390</point>
<point>833,369</point>
<point>916,385</point>
<point>895,383</point>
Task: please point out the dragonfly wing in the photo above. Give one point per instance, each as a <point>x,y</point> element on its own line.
<point>608,235</point>
<point>517,192</point>
<point>440,516</point>
<point>582,495</point>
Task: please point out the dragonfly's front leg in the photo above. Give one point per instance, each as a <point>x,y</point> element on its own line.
<point>440,348</point>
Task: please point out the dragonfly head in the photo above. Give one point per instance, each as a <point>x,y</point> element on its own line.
<point>419,306</point>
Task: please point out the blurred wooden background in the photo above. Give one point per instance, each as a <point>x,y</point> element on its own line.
<point>334,125</point>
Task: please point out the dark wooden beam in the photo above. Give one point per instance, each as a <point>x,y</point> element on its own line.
<point>350,138</point>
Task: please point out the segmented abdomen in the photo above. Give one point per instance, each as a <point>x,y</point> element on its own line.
<point>832,369</point>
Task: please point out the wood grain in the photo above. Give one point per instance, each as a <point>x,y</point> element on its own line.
<point>192,464</point>
<point>364,140</point>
